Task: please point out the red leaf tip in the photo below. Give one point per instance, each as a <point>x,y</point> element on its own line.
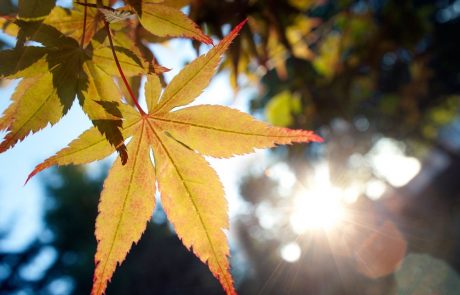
<point>316,138</point>
<point>32,174</point>
<point>239,26</point>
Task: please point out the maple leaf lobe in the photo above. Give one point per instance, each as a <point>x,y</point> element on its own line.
<point>126,205</point>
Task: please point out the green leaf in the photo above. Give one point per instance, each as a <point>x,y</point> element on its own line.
<point>281,108</point>
<point>34,10</point>
<point>23,62</point>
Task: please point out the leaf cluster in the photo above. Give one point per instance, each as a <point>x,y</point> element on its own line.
<point>90,53</point>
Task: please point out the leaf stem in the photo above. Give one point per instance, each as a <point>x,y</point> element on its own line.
<point>85,16</point>
<point>120,70</point>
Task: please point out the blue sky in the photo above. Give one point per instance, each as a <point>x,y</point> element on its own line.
<point>20,205</point>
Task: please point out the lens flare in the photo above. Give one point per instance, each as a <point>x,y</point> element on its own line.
<point>291,252</point>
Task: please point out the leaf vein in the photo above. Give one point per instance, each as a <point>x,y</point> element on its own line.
<point>219,129</point>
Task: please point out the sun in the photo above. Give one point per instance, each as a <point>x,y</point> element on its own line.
<point>320,208</point>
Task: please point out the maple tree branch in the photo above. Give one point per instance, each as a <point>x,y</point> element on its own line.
<point>120,70</point>
<point>85,16</point>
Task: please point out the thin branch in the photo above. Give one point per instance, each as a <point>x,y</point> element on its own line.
<point>120,70</point>
<point>85,16</point>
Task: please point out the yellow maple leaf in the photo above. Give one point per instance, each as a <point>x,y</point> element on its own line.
<point>191,193</point>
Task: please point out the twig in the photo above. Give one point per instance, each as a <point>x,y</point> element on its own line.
<point>120,70</point>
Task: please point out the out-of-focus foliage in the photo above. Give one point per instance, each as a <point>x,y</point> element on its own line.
<point>430,274</point>
<point>6,7</point>
<point>390,59</point>
<point>356,70</point>
<point>362,71</point>
<point>282,107</point>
